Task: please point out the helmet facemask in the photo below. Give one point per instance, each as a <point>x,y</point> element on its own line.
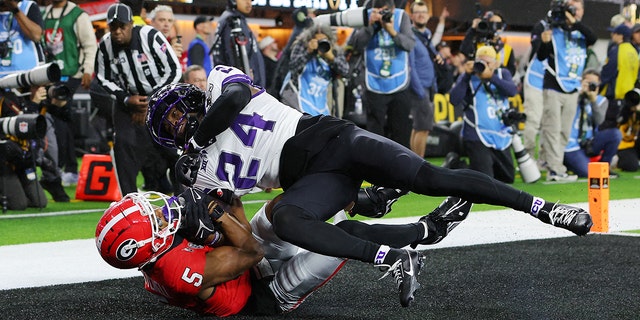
<point>174,113</point>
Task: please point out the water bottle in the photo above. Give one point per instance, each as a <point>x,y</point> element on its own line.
<point>357,107</point>
<point>30,173</point>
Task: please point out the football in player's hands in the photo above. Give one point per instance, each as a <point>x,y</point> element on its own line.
<point>197,224</point>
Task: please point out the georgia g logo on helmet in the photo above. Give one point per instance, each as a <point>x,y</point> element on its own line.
<point>127,249</point>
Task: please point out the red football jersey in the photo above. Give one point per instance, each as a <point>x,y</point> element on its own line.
<point>177,278</point>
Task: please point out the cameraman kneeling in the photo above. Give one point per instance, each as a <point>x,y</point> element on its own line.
<point>594,130</point>
<point>483,91</point>
<point>18,159</point>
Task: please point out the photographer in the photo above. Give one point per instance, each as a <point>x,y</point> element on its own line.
<point>483,91</point>
<point>590,134</point>
<point>486,31</point>
<point>314,63</point>
<point>386,43</point>
<point>629,120</point>
<point>564,47</point>
<point>18,160</point>
<point>620,72</point>
<point>20,32</point>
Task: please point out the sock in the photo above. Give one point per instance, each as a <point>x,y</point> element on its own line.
<point>536,205</point>
<point>386,255</point>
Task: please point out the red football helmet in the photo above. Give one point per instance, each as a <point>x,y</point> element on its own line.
<point>131,233</point>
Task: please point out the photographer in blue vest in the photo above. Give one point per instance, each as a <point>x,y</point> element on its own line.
<point>314,64</point>
<point>20,32</point>
<point>386,43</point>
<point>564,46</point>
<point>483,91</point>
<point>594,131</point>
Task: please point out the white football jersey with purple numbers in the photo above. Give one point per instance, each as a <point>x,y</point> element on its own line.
<point>247,154</point>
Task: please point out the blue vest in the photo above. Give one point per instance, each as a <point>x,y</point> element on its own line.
<point>587,126</point>
<point>535,72</point>
<point>24,54</point>
<point>207,65</point>
<point>485,116</point>
<point>570,56</point>
<point>313,84</point>
<point>382,53</point>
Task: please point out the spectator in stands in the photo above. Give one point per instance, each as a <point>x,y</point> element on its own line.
<point>123,48</point>
<point>487,31</point>
<point>314,63</point>
<point>269,48</point>
<point>483,91</point>
<point>386,43</point>
<point>228,51</point>
<point>20,33</point>
<point>594,128</point>
<point>69,37</point>
<point>196,76</point>
<point>620,72</point>
<point>198,50</point>
<point>564,47</point>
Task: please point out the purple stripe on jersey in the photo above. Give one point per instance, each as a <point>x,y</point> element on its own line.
<point>241,78</point>
<point>257,93</point>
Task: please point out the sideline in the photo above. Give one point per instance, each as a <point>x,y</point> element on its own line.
<point>63,213</point>
<point>75,261</point>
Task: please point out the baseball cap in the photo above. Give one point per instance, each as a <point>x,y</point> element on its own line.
<point>265,42</point>
<point>120,12</point>
<point>201,19</point>
<point>442,44</point>
<point>623,30</point>
<point>487,51</point>
<point>636,28</point>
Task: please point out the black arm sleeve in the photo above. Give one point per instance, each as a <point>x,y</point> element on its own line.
<point>224,110</point>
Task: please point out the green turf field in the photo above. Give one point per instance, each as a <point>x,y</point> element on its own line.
<point>36,226</point>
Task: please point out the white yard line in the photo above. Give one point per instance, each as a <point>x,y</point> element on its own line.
<point>75,261</point>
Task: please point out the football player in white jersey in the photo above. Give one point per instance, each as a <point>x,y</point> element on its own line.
<point>236,137</point>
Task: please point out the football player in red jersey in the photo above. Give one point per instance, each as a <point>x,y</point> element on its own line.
<point>196,255</point>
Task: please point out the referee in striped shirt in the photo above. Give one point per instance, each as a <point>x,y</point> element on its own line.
<point>131,63</point>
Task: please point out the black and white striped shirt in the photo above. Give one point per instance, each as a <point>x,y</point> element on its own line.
<point>147,64</point>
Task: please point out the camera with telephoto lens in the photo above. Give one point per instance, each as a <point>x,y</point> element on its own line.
<point>24,126</point>
<point>512,117</point>
<point>59,92</point>
<point>387,15</point>
<point>354,18</point>
<point>324,46</point>
<point>556,15</point>
<point>593,86</point>
<point>479,66</point>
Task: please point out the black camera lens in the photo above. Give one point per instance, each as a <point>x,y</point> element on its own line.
<point>59,92</point>
<point>479,66</point>
<point>324,45</point>
<point>387,15</point>
<point>593,86</point>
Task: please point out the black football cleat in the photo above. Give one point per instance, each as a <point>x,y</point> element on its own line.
<point>405,270</point>
<point>451,212</point>
<point>568,217</point>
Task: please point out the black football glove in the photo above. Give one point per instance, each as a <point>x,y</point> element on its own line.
<point>197,222</point>
<point>187,168</point>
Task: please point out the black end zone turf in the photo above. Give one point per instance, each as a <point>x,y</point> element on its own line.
<point>593,277</point>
